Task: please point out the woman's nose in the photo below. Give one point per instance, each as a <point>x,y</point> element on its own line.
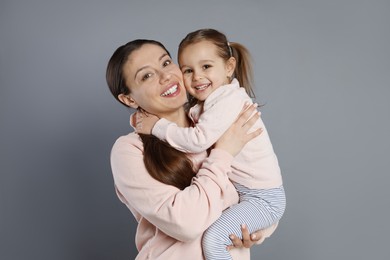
<point>165,76</point>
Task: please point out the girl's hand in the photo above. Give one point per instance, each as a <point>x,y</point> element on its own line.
<point>235,138</point>
<point>144,122</point>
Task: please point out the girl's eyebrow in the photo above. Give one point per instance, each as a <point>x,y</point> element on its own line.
<point>144,67</point>
<point>201,61</point>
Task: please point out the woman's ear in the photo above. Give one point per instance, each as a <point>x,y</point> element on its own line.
<point>230,66</point>
<point>128,101</point>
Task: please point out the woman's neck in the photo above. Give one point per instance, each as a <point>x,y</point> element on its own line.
<point>178,117</point>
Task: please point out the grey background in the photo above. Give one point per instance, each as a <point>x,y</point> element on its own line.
<point>322,69</point>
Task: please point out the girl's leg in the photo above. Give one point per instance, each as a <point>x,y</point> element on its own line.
<point>256,212</point>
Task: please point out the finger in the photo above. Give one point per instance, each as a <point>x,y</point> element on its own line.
<point>246,113</point>
<point>246,240</point>
<point>250,115</point>
<point>248,125</point>
<point>228,248</point>
<point>138,123</point>
<point>236,242</point>
<point>253,135</point>
<point>257,236</point>
<point>244,108</point>
<point>250,108</point>
<point>138,116</point>
<point>251,121</point>
<point>139,127</point>
<point>133,119</point>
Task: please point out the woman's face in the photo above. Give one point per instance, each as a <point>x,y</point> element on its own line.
<point>155,82</point>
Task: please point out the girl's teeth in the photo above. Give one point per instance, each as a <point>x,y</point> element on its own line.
<point>171,90</point>
<point>201,87</point>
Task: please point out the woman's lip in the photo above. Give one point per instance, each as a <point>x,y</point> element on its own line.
<point>172,90</point>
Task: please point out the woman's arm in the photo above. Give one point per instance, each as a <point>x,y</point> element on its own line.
<point>182,214</point>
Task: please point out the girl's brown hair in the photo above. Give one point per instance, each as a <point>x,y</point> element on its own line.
<point>226,49</point>
<point>163,162</point>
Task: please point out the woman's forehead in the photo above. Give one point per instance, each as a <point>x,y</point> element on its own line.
<point>148,53</point>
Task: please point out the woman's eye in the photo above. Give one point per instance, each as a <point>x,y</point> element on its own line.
<point>186,71</point>
<point>166,63</point>
<point>146,76</point>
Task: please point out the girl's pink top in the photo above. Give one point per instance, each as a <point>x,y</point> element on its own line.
<point>256,166</point>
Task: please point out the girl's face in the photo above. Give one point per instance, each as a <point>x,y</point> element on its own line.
<point>203,69</point>
<point>155,82</point>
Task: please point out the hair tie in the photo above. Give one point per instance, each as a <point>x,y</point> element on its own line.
<point>230,49</point>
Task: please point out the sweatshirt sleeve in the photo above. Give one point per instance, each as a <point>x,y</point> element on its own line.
<point>218,114</point>
<point>181,214</point>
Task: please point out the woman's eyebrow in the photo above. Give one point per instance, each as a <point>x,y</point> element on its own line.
<point>144,67</point>
<point>162,56</point>
<point>140,69</point>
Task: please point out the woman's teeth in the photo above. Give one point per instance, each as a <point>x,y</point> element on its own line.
<point>170,91</point>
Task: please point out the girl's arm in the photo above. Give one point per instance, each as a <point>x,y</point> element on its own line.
<point>220,111</point>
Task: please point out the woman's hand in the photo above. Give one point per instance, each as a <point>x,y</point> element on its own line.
<point>235,138</point>
<point>144,122</point>
<point>248,240</point>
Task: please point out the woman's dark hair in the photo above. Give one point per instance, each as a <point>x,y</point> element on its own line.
<point>163,162</point>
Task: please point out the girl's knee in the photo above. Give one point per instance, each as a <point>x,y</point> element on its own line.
<point>213,236</point>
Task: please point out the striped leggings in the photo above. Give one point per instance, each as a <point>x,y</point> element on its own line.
<point>257,209</point>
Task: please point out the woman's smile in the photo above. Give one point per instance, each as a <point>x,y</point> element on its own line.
<point>172,91</point>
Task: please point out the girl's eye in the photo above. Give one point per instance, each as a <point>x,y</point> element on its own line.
<point>206,66</point>
<point>186,71</point>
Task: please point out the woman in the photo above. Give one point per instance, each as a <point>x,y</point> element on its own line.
<point>173,196</point>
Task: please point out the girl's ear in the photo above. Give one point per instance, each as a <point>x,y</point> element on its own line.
<point>230,66</point>
<point>128,101</point>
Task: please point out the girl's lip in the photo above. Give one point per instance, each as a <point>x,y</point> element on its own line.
<point>202,86</point>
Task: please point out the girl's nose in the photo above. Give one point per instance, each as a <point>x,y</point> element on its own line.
<point>196,76</point>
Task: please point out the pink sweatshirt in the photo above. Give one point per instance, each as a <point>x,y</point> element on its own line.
<point>170,221</point>
<point>256,166</point>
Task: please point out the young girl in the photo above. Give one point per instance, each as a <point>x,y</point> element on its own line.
<point>217,76</point>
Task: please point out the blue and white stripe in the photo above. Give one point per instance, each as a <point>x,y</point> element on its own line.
<point>257,209</point>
